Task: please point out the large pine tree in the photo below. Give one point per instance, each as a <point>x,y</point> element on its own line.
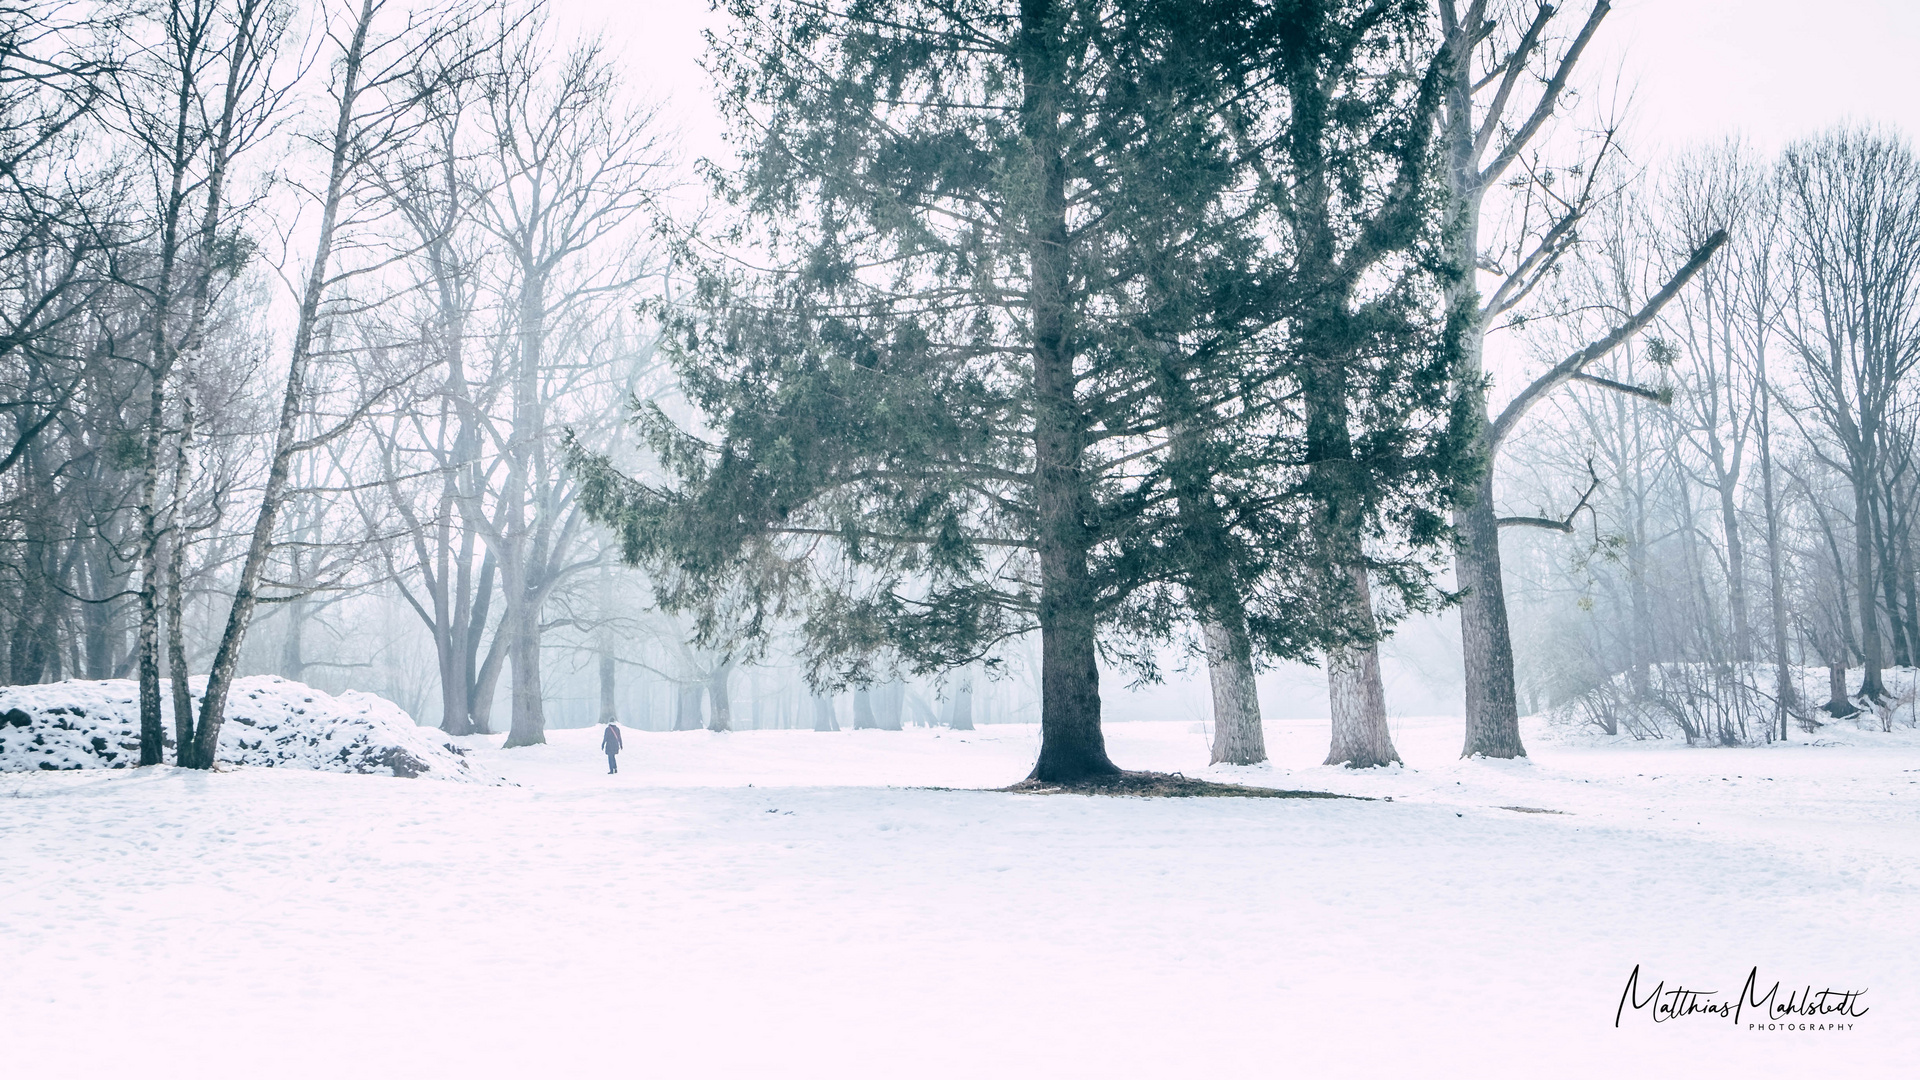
<point>1031,353</point>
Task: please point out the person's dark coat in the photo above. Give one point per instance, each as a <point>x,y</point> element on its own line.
<point>611,741</point>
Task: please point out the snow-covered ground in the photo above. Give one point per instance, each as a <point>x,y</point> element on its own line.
<point>786,903</point>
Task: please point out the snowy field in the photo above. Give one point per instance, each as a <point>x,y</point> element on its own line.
<point>786,903</point>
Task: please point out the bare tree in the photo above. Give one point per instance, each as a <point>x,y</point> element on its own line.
<point>1488,130</point>
<point>570,173</point>
<point>194,99</point>
<point>374,98</point>
<point>1853,198</point>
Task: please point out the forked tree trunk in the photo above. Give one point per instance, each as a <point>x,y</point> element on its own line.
<point>455,711</point>
<point>1237,736</point>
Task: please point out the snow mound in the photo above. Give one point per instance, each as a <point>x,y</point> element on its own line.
<point>271,723</point>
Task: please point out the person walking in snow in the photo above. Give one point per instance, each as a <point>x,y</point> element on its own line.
<point>610,742</point>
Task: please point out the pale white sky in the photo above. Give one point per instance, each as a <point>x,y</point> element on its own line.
<point>1696,69</point>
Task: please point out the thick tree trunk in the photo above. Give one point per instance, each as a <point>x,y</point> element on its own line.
<point>1237,736</point>
<point>1358,700</point>
<point>719,705</point>
<point>863,711</point>
<point>1486,645</point>
<point>528,726</point>
<point>823,718</point>
<point>455,711</point>
<point>1072,747</point>
<point>889,702</point>
<point>609,711</point>
<point>960,717</point>
<point>686,707</point>
<point>1837,703</point>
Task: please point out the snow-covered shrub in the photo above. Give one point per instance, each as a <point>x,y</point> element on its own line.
<point>1728,704</point>
<point>271,723</point>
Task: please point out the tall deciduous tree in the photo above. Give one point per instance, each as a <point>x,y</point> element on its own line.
<point>1853,198</point>
<point>374,99</point>
<point>1499,98</point>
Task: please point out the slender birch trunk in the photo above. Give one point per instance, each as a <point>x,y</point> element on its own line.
<point>245,598</point>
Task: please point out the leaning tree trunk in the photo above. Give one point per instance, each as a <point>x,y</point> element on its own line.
<point>226,658</point>
<point>1237,735</point>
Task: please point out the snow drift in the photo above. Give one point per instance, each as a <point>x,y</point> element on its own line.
<point>271,723</point>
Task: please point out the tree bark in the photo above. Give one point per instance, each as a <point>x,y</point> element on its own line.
<point>1486,645</point>
<point>1871,658</point>
<point>227,658</point>
<point>1072,747</point>
<point>960,714</point>
<point>686,707</point>
<point>1784,695</point>
<point>1238,738</point>
<point>609,709</point>
<point>863,711</point>
<point>719,705</point>
<point>1358,700</point>
<point>889,702</point>
<point>823,718</point>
